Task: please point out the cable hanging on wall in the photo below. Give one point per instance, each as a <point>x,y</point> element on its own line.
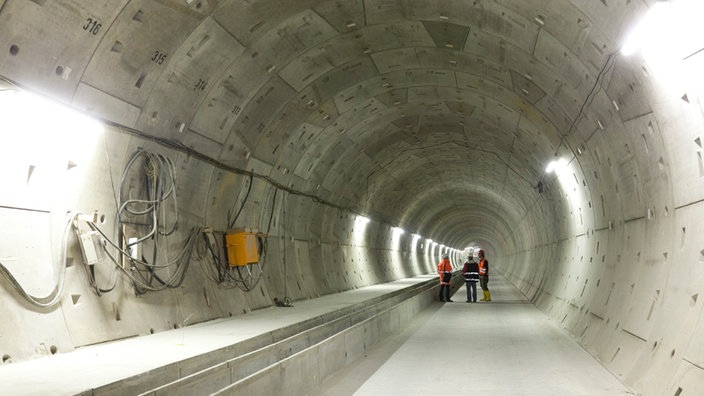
<point>286,300</point>
<point>145,206</point>
<point>143,225</point>
<point>245,251</point>
<point>55,295</point>
<point>146,218</point>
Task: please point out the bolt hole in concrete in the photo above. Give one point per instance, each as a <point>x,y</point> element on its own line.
<point>53,349</point>
<point>151,331</point>
<point>6,358</point>
<point>59,70</point>
<point>14,50</point>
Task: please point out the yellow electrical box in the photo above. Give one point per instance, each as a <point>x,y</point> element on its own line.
<point>241,248</point>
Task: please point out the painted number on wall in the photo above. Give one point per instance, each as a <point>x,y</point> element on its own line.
<point>158,57</point>
<point>92,26</point>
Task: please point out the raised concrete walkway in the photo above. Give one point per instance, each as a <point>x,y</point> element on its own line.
<point>505,347</point>
<point>136,365</point>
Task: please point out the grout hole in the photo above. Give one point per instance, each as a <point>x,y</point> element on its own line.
<point>14,50</point>
<point>6,358</point>
<point>53,349</point>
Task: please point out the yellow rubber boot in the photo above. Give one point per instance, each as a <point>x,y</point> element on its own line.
<point>488,295</point>
<point>484,299</point>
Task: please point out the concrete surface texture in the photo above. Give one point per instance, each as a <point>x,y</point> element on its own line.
<point>506,347</point>
<point>239,347</point>
<point>364,138</point>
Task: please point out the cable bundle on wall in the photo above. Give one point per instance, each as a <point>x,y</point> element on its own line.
<point>212,247</point>
<point>218,269</point>
<point>146,216</point>
<point>55,295</point>
<point>143,221</point>
<point>143,274</point>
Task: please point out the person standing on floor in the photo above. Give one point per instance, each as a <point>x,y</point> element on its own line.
<point>445,272</point>
<point>484,276</point>
<point>470,270</point>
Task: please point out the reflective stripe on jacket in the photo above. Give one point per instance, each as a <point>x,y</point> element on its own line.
<point>444,267</point>
<point>484,267</point>
<point>471,271</point>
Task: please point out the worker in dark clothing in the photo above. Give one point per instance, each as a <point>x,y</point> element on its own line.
<point>445,272</point>
<point>470,270</point>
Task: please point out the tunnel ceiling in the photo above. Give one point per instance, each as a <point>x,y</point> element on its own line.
<point>438,116</point>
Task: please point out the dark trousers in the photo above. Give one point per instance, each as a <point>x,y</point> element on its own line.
<point>484,282</point>
<point>446,289</point>
<point>471,290</point>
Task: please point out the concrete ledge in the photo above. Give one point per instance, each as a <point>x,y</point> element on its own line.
<point>305,370</point>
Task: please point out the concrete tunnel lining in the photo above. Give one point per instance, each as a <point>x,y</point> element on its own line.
<point>438,118</point>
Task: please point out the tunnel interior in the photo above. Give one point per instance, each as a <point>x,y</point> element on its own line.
<point>357,141</point>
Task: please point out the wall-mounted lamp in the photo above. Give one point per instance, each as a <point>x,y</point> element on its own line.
<point>670,29</point>
<point>648,29</point>
<point>556,166</point>
<point>361,219</point>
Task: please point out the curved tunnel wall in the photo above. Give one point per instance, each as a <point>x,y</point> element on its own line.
<point>438,118</point>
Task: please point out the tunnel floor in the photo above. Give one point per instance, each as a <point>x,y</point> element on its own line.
<point>505,347</point>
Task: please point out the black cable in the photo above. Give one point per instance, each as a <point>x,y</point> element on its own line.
<point>231,224</point>
<point>608,65</point>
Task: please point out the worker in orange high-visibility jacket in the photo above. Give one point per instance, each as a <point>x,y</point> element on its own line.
<point>484,276</point>
<point>445,272</point>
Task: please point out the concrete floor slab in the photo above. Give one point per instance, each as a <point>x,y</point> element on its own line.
<point>505,347</point>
